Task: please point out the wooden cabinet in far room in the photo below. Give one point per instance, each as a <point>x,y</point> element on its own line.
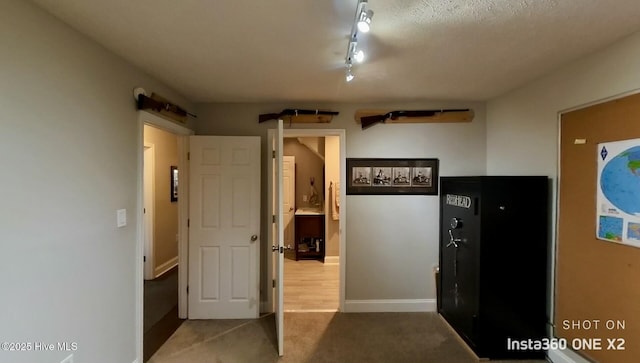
<point>310,241</point>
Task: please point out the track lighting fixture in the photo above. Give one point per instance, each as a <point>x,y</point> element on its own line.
<point>364,22</point>
<point>361,23</point>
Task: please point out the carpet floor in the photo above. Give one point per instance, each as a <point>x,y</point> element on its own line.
<point>318,337</point>
<point>160,311</point>
<point>160,297</point>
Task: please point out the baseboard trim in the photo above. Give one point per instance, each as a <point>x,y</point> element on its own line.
<point>391,305</point>
<point>162,269</point>
<point>331,260</point>
<point>565,356</point>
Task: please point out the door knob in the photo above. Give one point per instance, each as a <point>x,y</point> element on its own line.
<point>254,238</point>
<point>281,249</point>
<point>290,209</point>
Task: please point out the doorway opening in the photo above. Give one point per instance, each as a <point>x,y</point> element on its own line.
<point>162,233</point>
<point>275,203</point>
<point>160,217</point>
<point>311,174</point>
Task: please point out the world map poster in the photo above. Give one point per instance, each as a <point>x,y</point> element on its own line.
<point>618,199</point>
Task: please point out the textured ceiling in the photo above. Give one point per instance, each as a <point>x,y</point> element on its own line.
<point>294,50</point>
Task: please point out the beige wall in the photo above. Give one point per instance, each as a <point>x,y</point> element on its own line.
<point>165,227</point>
<point>69,144</point>
<point>308,165</point>
<point>332,175</point>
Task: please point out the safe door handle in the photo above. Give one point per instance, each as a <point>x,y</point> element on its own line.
<point>452,240</point>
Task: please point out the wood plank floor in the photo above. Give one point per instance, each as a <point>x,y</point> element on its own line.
<point>310,285</point>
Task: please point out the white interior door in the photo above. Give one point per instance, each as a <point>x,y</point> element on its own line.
<point>289,197</point>
<point>224,218</point>
<point>276,237</point>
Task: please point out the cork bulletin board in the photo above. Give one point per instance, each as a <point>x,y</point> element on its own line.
<point>597,297</point>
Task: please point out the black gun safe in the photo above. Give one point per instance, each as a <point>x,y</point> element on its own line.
<point>493,261</point>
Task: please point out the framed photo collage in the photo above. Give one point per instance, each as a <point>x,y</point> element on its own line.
<point>392,176</point>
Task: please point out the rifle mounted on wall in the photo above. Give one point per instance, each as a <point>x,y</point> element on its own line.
<point>441,115</point>
<point>298,115</point>
<point>161,106</point>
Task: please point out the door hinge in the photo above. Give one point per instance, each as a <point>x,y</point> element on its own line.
<point>188,223</point>
<point>273,283</point>
<point>144,210</point>
<point>273,218</point>
<point>144,258</point>
<point>273,154</point>
<point>187,289</point>
<point>188,156</point>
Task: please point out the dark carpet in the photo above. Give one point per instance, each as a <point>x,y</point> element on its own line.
<point>318,337</point>
<point>160,311</point>
<point>160,296</point>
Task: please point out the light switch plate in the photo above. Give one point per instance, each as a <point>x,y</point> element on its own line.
<point>121,217</point>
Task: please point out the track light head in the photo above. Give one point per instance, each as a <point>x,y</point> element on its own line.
<point>354,53</point>
<point>349,76</point>
<point>364,21</point>
<point>358,56</point>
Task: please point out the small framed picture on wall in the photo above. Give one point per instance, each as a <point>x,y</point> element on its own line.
<point>401,177</point>
<point>381,176</point>
<point>361,176</point>
<point>174,184</point>
<point>422,176</point>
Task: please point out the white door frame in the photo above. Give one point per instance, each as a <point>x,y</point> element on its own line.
<point>343,206</point>
<point>149,210</point>
<point>182,134</point>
